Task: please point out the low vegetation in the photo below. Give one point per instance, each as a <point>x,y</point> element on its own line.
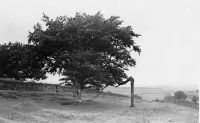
<point>182,98</point>
<point>158,100</point>
<point>180,95</point>
<point>195,99</point>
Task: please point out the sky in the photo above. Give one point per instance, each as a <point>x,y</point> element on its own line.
<point>169,28</point>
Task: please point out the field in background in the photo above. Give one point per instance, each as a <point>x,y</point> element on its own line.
<point>145,92</point>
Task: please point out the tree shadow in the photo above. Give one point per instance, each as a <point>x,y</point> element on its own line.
<point>67,103</point>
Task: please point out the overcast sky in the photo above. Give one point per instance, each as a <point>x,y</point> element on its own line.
<point>170,32</point>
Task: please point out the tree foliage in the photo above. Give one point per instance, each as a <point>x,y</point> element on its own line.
<point>20,62</point>
<point>89,50</point>
<point>180,95</point>
<point>195,99</point>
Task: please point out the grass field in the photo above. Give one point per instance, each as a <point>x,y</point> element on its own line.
<point>52,107</point>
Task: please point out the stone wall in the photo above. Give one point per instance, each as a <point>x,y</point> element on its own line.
<point>27,86</point>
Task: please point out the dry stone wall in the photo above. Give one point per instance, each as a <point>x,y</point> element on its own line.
<point>27,86</point>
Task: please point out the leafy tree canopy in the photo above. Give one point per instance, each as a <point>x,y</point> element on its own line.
<point>20,62</point>
<point>89,50</point>
<point>180,95</point>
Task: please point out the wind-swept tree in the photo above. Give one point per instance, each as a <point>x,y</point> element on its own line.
<point>89,50</point>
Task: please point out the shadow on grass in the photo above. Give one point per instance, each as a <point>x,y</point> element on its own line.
<point>67,103</point>
<point>84,102</point>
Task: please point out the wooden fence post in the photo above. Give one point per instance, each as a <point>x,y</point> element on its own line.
<point>132,92</point>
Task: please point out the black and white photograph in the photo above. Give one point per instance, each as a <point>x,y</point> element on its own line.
<point>99,61</point>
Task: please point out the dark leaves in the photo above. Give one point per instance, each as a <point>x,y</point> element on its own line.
<point>86,48</point>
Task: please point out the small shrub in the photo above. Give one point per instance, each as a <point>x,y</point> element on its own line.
<point>180,95</point>
<point>195,99</point>
<point>137,96</point>
<point>158,100</point>
<point>169,99</point>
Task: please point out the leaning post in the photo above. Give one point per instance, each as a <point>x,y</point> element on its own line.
<point>132,92</point>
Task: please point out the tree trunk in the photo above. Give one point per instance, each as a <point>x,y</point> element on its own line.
<point>77,92</point>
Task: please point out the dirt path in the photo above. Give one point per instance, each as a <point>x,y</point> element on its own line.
<point>105,109</point>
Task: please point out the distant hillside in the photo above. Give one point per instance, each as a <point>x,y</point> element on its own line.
<point>144,92</point>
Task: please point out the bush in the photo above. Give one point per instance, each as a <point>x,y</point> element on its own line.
<point>158,100</point>
<point>195,99</point>
<point>169,99</point>
<point>180,95</point>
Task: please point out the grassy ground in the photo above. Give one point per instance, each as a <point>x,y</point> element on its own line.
<point>51,107</point>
